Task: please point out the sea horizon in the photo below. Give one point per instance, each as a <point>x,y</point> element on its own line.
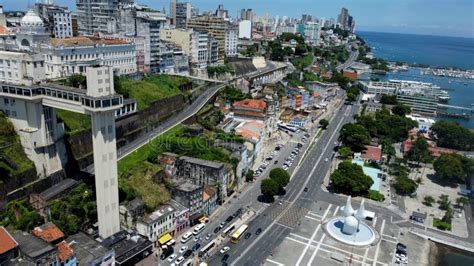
<point>415,34</point>
<point>431,50</point>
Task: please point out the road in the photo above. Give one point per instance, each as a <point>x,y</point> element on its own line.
<point>350,61</point>
<point>248,198</point>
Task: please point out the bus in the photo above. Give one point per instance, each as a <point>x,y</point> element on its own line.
<point>228,229</point>
<point>207,248</point>
<point>238,234</point>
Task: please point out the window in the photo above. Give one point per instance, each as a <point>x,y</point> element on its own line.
<point>6,101</point>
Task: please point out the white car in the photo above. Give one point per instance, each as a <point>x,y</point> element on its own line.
<point>172,257</point>
<point>183,249</point>
<point>171,242</point>
<point>179,260</point>
<point>225,249</point>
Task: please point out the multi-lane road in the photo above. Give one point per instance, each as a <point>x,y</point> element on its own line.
<point>351,60</point>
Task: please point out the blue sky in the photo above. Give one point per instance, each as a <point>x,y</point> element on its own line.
<point>433,17</point>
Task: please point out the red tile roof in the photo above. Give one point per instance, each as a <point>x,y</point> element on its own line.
<point>49,232</point>
<point>7,242</point>
<point>84,41</point>
<point>350,75</point>
<point>372,153</point>
<point>251,104</point>
<point>64,251</point>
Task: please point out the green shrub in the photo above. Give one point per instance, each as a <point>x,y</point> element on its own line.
<point>375,195</point>
<point>438,223</point>
<point>428,201</point>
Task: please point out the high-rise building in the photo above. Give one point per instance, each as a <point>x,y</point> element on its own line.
<point>56,19</point>
<point>216,27</point>
<point>246,14</point>
<point>231,39</point>
<point>98,15</point>
<point>343,18</point>
<point>245,29</point>
<point>180,13</point>
<point>221,12</point>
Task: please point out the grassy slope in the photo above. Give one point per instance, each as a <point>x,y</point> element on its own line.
<point>11,148</point>
<point>144,91</point>
<point>152,88</point>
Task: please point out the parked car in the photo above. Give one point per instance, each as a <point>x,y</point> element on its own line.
<point>172,257</point>
<point>259,230</point>
<point>187,253</point>
<point>229,219</point>
<point>179,260</point>
<point>225,249</point>
<point>183,249</point>
<point>247,236</point>
<point>216,230</point>
<point>208,236</point>
<point>225,258</point>
<point>305,189</point>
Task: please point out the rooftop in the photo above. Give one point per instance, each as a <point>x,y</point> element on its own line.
<point>86,249</point>
<point>84,41</point>
<point>160,212</point>
<point>211,164</point>
<point>372,153</point>
<point>32,246</point>
<point>250,129</point>
<point>186,185</point>
<point>49,232</point>
<point>64,251</point>
<point>127,246</point>
<point>7,242</point>
<point>251,104</point>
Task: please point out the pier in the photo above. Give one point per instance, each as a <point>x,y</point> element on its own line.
<point>444,106</point>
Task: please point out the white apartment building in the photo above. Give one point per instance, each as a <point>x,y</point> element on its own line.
<point>73,55</point>
<point>62,22</point>
<point>231,40</point>
<point>245,29</point>
<point>21,67</point>
<point>193,43</point>
<point>158,223</point>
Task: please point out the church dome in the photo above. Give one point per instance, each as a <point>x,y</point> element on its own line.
<point>31,20</point>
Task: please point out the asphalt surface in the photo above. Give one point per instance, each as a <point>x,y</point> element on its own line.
<point>248,198</point>
<point>349,62</point>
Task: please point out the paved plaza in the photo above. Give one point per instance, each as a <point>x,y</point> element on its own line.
<point>309,244</point>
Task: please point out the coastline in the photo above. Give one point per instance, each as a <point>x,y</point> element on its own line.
<point>432,254</point>
<point>440,254</point>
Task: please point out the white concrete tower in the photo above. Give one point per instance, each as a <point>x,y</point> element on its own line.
<point>100,83</point>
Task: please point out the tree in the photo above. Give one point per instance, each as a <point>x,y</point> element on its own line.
<point>354,136</point>
<point>452,135</point>
<point>405,185</point>
<point>269,188</point>
<point>419,151</point>
<point>462,201</point>
<point>428,201</point>
<point>300,49</point>
<point>249,176</point>
<point>345,152</point>
<point>388,99</point>
<point>448,166</point>
<point>444,202</point>
<point>350,178</point>
<point>281,177</point>
<point>324,123</point>
<point>401,109</point>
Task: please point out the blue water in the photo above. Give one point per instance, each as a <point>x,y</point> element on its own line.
<point>422,49</point>
<point>432,50</point>
<point>372,172</point>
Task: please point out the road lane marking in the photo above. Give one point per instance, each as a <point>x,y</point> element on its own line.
<point>308,244</point>
<point>249,247</point>
<point>335,211</point>
<point>314,219</point>
<point>315,214</point>
<point>316,250</point>
<point>291,228</point>
<point>312,237</point>
<point>275,262</point>
<point>378,244</point>
<point>365,256</point>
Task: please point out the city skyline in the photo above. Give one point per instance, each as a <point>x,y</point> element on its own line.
<point>403,16</point>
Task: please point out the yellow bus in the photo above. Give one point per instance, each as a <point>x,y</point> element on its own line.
<point>239,233</point>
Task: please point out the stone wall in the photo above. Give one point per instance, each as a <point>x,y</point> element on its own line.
<point>128,128</point>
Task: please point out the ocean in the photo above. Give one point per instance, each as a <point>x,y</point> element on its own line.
<point>433,51</point>
<point>437,51</point>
